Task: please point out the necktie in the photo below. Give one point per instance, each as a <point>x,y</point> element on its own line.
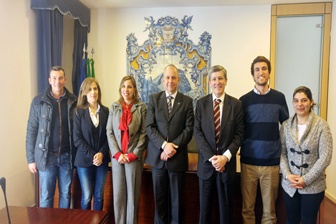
<point>169,104</point>
<point>217,120</point>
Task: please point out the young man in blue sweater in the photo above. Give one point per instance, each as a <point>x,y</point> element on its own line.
<point>264,108</point>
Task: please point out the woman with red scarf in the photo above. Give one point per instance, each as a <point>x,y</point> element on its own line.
<point>126,134</point>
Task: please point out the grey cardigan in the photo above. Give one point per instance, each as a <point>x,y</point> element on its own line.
<point>137,129</point>
<point>309,157</point>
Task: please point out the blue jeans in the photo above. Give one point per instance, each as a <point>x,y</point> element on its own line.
<point>58,167</point>
<point>92,180</point>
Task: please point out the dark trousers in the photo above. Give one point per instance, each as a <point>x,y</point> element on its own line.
<point>168,196</point>
<point>302,207</point>
<point>224,186</point>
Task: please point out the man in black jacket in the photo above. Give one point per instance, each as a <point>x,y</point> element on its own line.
<point>49,142</point>
<point>169,127</point>
<point>218,133</point>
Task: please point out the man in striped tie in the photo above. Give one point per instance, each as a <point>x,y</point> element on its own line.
<point>218,132</point>
<point>169,127</point>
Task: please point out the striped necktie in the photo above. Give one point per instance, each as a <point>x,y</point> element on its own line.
<point>217,120</point>
<point>169,104</point>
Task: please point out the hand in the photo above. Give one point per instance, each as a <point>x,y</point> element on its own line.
<point>32,167</point>
<point>219,162</point>
<point>296,181</point>
<point>301,183</point>
<point>163,156</point>
<point>123,159</point>
<point>126,157</point>
<point>98,159</point>
<point>170,149</point>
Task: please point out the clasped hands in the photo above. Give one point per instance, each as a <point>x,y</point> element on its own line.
<point>296,181</point>
<point>219,162</point>
<point>123,159</point>
<point>98,159</point>
<point>169,151</point>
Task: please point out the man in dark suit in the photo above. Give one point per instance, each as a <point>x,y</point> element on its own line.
<point>169,126</point>
<point>217,155</point>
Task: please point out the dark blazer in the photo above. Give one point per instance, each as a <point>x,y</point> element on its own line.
<point>83,137</point>
<point>231,133</point>
<point>177,128</point>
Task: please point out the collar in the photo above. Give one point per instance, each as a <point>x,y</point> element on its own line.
<point>49,93</point>
<point>173,95</point>
<point>221,98</point>
<point>257,91</point>
<point>98,109</point>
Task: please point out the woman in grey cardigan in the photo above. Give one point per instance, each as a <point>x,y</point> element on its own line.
<point>306,152</point>
<point>126,135</point>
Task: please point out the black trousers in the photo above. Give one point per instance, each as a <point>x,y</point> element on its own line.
<point>168,196</point>
<point>302,207</point>
<point>223,182</point>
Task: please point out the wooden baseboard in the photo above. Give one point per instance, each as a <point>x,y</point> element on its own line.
<point>327,212</point>
<point>331,197</point>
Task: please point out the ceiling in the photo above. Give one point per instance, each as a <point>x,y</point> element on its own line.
<point>182,3</point>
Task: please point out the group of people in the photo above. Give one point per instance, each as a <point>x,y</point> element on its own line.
<point>62,129</point>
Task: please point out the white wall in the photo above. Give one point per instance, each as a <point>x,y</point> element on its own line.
<point>239,33</point>
<point>18,86</point>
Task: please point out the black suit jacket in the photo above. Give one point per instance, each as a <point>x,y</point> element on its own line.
<point>83,137</point>
<point>177,128</point>
<point>231,133</point>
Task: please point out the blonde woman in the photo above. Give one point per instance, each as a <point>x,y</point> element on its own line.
<point>126,136</point>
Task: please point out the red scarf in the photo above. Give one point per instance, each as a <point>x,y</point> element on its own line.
<point>125,120</point>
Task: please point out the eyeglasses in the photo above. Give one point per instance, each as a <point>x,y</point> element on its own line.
<point>306,151</point>
<point>305,165</point>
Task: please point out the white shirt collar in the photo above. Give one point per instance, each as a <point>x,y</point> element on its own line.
<point>98,109</point>
<point>95,117</point>
<point>221,98</point>
<point>173,95</point>
<point>257,91</point>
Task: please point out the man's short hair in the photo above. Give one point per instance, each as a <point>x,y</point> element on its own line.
<point>56,68</point>
<point>217,68</point>
<point>260,59</point>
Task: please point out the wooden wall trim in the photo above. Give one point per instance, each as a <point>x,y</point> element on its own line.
<point>300,9</point>
<point>324,9</point>
<point>273,50</point>
<point>325,66</point>
<point>330,197</point>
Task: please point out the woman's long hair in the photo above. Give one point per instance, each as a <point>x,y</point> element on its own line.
<point>84,88</point>
<point>136,94</point>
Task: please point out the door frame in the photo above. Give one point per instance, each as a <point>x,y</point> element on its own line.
<point>324,9</point>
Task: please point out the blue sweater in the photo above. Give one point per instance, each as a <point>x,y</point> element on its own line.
<point>262,114</point>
